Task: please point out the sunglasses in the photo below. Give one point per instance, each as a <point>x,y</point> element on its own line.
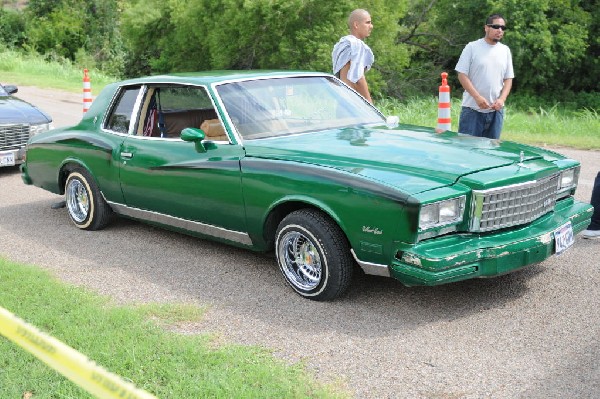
<point>503,27</point>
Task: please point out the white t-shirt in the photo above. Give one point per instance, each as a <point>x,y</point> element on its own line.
<point>487,66</point>
<point>351,48</point>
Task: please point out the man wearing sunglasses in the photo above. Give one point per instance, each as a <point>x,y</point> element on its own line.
<point>485,71</point>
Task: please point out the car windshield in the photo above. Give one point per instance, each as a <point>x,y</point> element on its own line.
<point>3,92</point>
<point>281,106</point>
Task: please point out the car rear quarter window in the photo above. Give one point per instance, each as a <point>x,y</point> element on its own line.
<point>122,110</point>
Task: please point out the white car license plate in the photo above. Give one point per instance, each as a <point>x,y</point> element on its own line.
<point>7,159</point>
<point>563,238</point>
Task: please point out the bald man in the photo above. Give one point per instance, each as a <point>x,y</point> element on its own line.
<point>351,56</point>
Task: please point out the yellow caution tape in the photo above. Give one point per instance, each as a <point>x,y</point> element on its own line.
<point>75,366</point>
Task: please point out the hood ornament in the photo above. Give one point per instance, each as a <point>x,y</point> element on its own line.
<point>521,159</point>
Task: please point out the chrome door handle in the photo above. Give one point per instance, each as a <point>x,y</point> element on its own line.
<point>127,155</point>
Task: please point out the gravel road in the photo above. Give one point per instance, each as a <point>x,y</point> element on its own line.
<point>530,334</point>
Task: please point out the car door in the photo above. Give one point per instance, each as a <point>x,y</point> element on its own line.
<point>170,181</point>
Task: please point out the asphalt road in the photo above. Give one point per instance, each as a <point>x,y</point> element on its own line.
<point>530,334</point>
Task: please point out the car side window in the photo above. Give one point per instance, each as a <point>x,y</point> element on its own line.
<point>121,113</point>
<point>168,109</point>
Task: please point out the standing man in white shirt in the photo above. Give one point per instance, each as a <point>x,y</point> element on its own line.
<point>351,56</point>
<point>485,71</point>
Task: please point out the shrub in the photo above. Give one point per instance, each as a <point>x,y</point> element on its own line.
<point>12,28</point>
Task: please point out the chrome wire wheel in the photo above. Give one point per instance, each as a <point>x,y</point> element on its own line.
<point>78,200</point>
<point>300,261</point>
<point>313,255</point>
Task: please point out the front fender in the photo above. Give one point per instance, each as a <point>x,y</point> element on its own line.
<point>371,215</point>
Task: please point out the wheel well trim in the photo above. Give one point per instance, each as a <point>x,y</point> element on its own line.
<point>68,165</point>
<point>273,216</point>
<point>375,269</point>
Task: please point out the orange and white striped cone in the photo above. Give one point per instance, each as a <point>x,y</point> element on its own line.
<point>444,119</point>
<point>87,91</point>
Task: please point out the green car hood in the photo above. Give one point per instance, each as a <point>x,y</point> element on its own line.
<point>409,158</point>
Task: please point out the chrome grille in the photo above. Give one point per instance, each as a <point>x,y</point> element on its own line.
<point>513,205</point>
<point>13,136</point>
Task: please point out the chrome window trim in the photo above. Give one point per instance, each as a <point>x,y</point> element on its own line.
<point>138,104</point>
<point>112,104</point>
<point>135,113</point>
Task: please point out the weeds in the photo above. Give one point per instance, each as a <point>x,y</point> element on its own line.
<point>552,126</point>
<point>33,70</point>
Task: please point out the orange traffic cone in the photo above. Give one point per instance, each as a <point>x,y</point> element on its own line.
<point>444,120</point>
<point>87,91</point>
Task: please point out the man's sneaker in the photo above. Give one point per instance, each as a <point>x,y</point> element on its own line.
<point>591,234</point>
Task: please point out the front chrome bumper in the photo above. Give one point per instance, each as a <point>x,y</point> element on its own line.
<point>465,256</point>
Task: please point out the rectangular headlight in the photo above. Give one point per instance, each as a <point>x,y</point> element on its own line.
<point>567,181</point>
<point>42,127</point>
<point>442,213</point>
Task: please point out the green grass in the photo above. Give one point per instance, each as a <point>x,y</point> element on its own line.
<point>128,341</point>
<point>551,127</point>
<point>32,70</point>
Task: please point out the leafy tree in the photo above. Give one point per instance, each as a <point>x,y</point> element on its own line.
<point>77,30</point>
<point>550,40</point>
<point>268,34</point>
<point>586,73</point>
<point>436,32</point>
<point>148,33</point>
<point>555,43</point>
<point>60,32</point>
<point>41,8</point>
<point>12,28</point>
<point>103,35</point>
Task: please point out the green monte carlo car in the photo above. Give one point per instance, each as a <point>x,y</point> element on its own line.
<point>298,163</point>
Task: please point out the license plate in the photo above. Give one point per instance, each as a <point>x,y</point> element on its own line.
<point>7,159</point>
<point>563,238</point>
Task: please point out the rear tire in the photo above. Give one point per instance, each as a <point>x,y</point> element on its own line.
<point>313,255</point>
<point>85,204</point>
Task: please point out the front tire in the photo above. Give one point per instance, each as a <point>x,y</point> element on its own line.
<point>85,204</point>
<point>313,255</point>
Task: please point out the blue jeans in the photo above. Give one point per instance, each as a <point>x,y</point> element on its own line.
<point>595,225</point>
<point>481,124</point>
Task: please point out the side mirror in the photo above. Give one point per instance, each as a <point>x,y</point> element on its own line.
<point>194,135</point>
<point>11,89</point>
